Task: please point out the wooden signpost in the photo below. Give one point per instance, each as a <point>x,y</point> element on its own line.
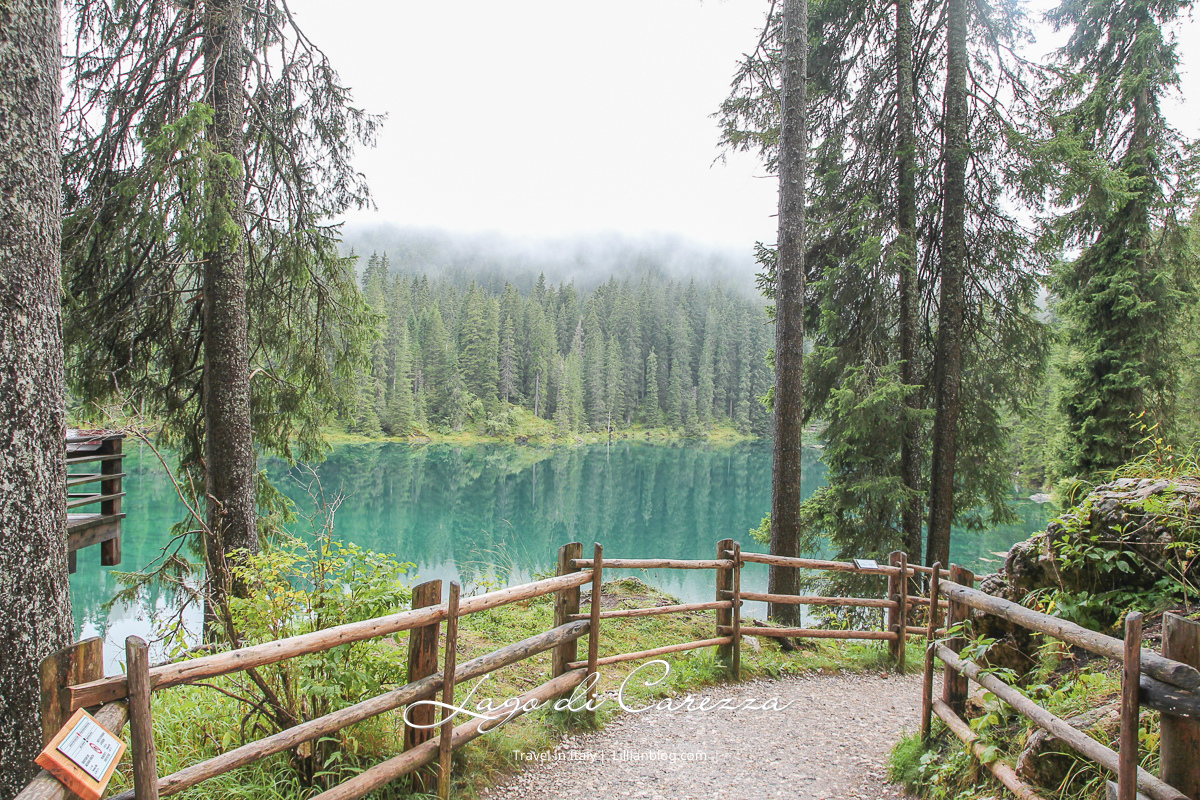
<point>83,755</point>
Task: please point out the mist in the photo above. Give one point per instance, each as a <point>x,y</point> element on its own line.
<point>493,259</point>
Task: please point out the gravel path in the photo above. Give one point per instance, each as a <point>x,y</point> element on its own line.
<point>830,744</point>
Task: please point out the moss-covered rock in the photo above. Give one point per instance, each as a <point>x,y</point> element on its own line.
<point>1128,534</point>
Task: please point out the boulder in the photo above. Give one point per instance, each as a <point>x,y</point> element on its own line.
<point>1140,517</point>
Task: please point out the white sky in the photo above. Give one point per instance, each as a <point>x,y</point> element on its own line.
<point>545,119</point>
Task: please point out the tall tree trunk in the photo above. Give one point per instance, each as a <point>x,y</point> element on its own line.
<point>789,310</point>
<point>35,608</point>
<point>228,439</point>
<point>906,226</point>
<point>948,363</point>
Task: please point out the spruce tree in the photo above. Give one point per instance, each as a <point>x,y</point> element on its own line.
<point>704,387</point>
<point>650,412</point>
<point>675,391</point>
<point>205,146</point>
<point>539,357</point>
<point>594,371</point>
<point>614,385</point>
<point>508,361</point>
<point>1121,178</point>
<point>480,344</point>
<point>401,406</point>
<point>35,603</point>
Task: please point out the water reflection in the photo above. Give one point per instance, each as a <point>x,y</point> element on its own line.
<point>497,514</point>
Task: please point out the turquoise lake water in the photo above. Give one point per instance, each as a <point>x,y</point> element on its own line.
<point>497,514</point>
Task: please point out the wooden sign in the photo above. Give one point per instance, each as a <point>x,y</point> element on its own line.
<point>83,755</point>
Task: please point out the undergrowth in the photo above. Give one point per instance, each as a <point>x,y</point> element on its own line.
<point>945,769</point>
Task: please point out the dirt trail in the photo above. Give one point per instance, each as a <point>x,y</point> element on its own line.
<point>831,743</point>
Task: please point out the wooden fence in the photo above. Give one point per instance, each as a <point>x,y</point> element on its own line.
<point>1147,678</point>
<point>73,679</point>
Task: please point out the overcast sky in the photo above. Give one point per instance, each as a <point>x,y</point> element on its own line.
<point>545,119</point>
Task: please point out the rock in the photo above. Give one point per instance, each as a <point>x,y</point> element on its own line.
<point>1139,517</point>
<point>1040,497</point>
<point>1046,760</point>
<point>520,440</point>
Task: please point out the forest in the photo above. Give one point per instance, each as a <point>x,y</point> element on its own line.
<point>650,351</point>
<point>985,267</point>
<point>989,254</point>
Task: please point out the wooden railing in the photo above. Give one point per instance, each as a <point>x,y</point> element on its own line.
<point>100,453</point>
<point>72,678</point>
<point>1148,679</point>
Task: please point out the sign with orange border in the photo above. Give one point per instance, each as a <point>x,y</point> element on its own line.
<point>83,755</point>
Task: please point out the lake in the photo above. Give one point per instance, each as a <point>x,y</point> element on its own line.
<point>496,514</point>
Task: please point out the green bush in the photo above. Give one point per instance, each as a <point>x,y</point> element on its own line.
<point>295,587</point>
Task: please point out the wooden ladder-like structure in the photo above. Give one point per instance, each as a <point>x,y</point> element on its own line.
<point>100,453</point>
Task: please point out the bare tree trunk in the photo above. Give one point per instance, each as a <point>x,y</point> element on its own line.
<point>948,363</point>
<point>906,225</point>
<point>228,440</point>
<point>789,310</point>
<point>35,607</point>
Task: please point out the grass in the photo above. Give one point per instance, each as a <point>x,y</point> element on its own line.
<point>541,433</point>
<point>194,723</point>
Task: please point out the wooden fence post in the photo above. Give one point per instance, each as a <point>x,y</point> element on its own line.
<point>110,550</point>
<point>1179,746</point>
<point>930,644</point>
<point>141,723</point>
<point>76,663</point>
<point>895,617</point>
<point>422,662</point>
<point>1131,675</point>
<point>954,685</point>
<point>594,625</point>
<point>724,581</point>
<point>898,594</point>
<point>446,742</point>
<point>566,603</point>
<point>737,611</point>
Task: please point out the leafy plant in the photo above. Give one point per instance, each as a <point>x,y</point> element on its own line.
<point>297,586</point>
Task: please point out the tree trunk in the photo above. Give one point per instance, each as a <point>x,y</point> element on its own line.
<point>906,227</point>
<point>948,362</point>
<point>789,310</point>
<point>35,607</point>
<point>228,440</point>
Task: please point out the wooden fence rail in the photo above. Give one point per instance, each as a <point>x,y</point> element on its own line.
<point>183,672</point>
<point>71,678</point>
<point>1140,667</point>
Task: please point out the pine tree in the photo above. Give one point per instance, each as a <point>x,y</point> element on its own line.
<point>479,345</point>
<point>594,371</point>
<point>614,385</point>
<point>508,361</point>
<point>441,369</point>
<point>704,387</point>
<point>675,391</point>
<point>401,406</point>
<point>789,309</point>
<point>540,355</point>
<point>207,254</point>
<point>35,603</point>
<point>1120,182</point>
<point>650,412</point>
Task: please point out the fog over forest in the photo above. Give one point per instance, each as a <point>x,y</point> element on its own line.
<point>493,259</point>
